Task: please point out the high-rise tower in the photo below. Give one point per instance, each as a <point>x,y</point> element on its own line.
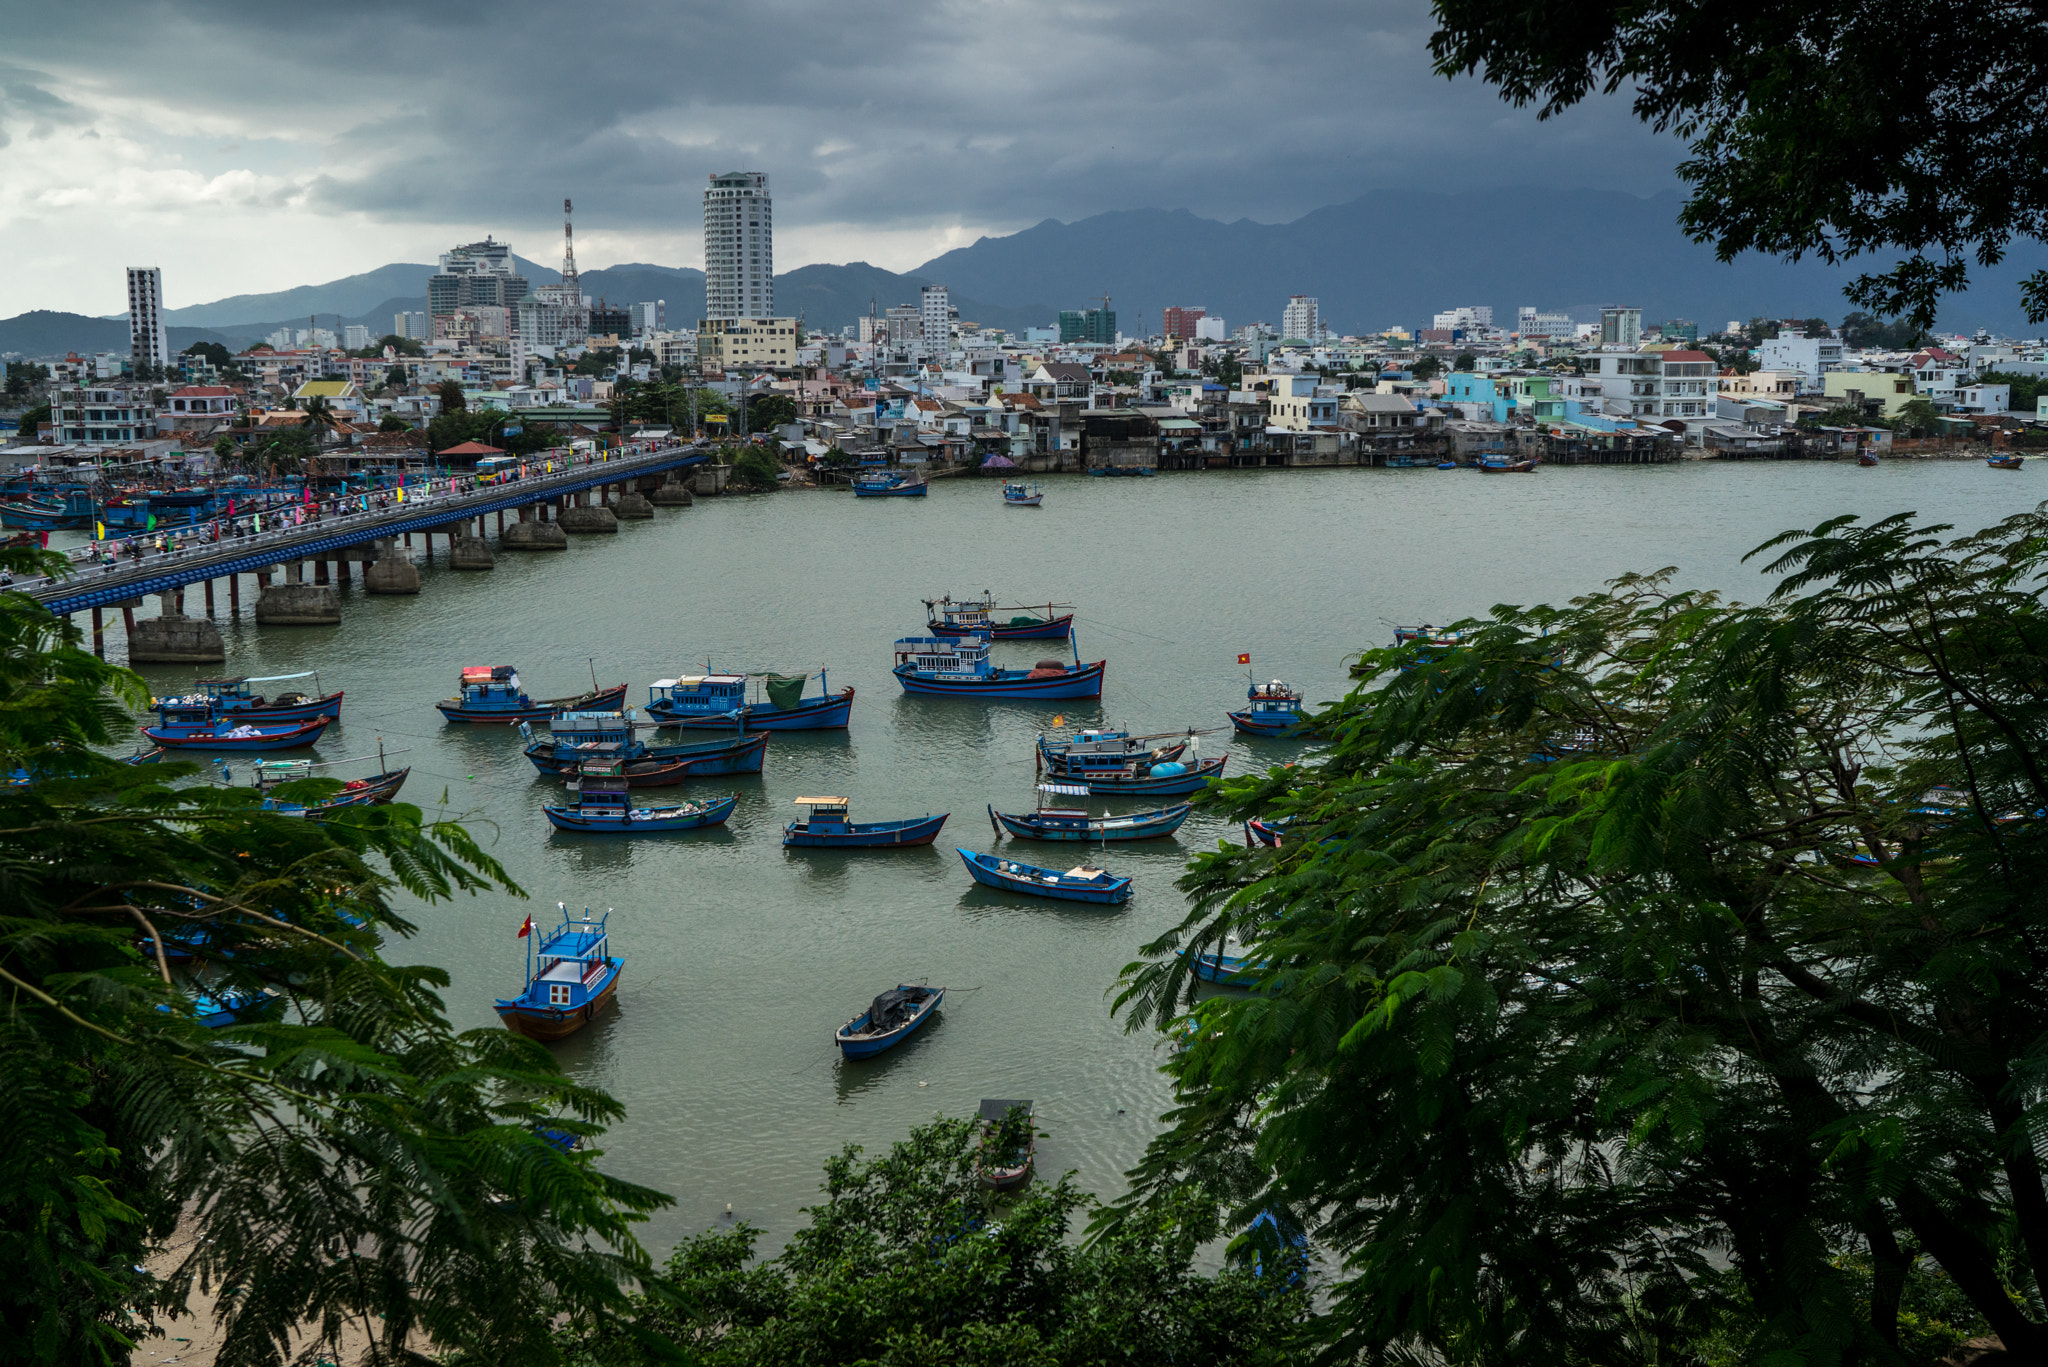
<point>739,247</point>
<point>569,281</point>
<point>148,344</point>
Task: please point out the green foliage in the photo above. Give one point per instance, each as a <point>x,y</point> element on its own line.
<point>350,1159</point>
<point>909,1261</point>
<point>753,468</point>
<point>766,412</point>
<point>1862,329</point>
<point>838,458</point>
<point>487,425</point>
<point>404,346</point>
<point>1917,418</point>
<point>33,418</point>
<point>1846,415</point>
<point>453,400</point>
<point>1426,368</point>
<point>2026,389</point>
<point>1466,361</point>
<point>224,448</point>
<point>1622,942</point>
<point>391,422</point>
<point>213,353</point>
<point>1120,377</point>
<point>665,403</point>
<point>23,377</point>
<point>601,361</point>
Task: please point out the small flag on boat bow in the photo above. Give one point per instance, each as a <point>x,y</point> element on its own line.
<point>525,930</point>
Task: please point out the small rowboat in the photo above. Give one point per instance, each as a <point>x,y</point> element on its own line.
<point>2012,462</point>
<point>1009,1143</point>
<point>1267,833</point>
<point>826,827</point>
<point>240,736</point>
<point>1083,884</point>
<point>1066,823</point>
<point>889,1020</point>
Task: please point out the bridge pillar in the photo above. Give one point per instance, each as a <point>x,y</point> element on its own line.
<point>632,506</point>
<point>320,571</point>
<point>174,638</point>
<point>467,552</point>
<point>295,603</point>
<point>587,520</point>
<point>533,534</point>
<point>672,493</point>
<point>209,598</point>
<point>391,572</point>
<point>235,596</point>
<point>99,634</point>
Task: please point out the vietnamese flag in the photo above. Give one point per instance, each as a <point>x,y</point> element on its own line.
<point>525,930</point>
<point>1244,659</point>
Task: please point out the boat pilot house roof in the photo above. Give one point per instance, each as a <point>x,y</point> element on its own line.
<point>937,655</point>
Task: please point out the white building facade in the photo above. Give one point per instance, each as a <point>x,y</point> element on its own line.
<point>1812,357</point>
<point>148,344</point>
<point>739,246</point>
<point>935,312</point>
<point>1302,318</point>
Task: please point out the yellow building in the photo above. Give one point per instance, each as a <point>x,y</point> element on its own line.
<point>756,342</point>
<point>1863,386</point>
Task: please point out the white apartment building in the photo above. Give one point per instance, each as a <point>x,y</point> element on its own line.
<point>412,326</point>
<point>148,344</point>
<point>1622,326</point>
<point>355,336</point>
<point>1301,318</point>
<point>739,247</point>
<point>1209,328</point>
<point>1656,386</point>
<point>1465,316</point>
<point>112,415</point>
<point>935,312</point>
<point>1530,323</point>
<point>1812,357</point>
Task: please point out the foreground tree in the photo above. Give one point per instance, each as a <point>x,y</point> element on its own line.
<point>1614,945</point>
<point>1839,128</point>
<point>347,1162</point>
<point>910,1261</point>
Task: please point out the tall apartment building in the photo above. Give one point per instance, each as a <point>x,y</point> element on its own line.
<point>1655,385</point>
<point>1463,317</point>
<point>904,326</point>
<point>1096,326</point>
<point>1180,323</point>
<point>1210,328</point>
<point>1302,318</point>
<point>1621,326</point>
<point>649,317</point>
<point>739,246</point>
<point>413,326</point>
<point>476,273</point>
<point>935,312</point>
<point>148,344</point>
<point>355,336</point>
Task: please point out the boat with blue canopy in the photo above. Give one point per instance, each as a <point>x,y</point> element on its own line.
<point>889,484</point>
<point>890,1019</point>
<point>1074,823</point>
<point>1273,709</point>
<point>599,804</point>
<point>1085,883</point>
<point>827,824</point>
<point>570,978</point>
<point>778,703</point>
<point>1017,494</point>
<point>493,694</point>
<point>579,736</point>
<point>951,616</point>
<point>933,666</point>
<point>374,791</point>
<point>1111,763</point>
<point>226,734</point>
<point>235,700</point>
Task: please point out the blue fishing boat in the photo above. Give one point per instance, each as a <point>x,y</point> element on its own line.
<point>570,978</point>
<point>1109,763</point>
<point>890,1019</point>
<point>955,617</point>
<point>1019,495</point>
<point>492,694</point>
<point>374,791</point>
<point>2014,461</point>
<point>600,805</point>
<point>227,1006</point>
<point>1009,1144</point>
<point>236,697</point>
<point>1072,823</point>
<point>1447,465</point>
<point>579,736</point>
<point>935,667</point>
<point>1230,966</point>
<point>227,734</point>
<point>1260,832</point>
<point>1084,884</point>
<point>721,700</point>
<point>889,484</point>
<point>1505,465</point>
<point>37,515</point>
<point>827,825</point>
<point>1274,710</point>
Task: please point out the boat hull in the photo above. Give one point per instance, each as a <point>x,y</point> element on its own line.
<point>1262,833</point>
<point>850,1047</point>
<point>1053,629</point>
<point>658,770</point>
<point>916,490</point>
<point>2004,462</point>
<point>984,868</point>
<point>304,734</point>
<point>1169,785</point>
<point>646,821</point>
<point>1224,970</point>
<point>865,835</point>
<point>1136,826</point>
<point>545,1023</point>
<point>813,714</point>
<point>1032,502</point>
<point>375,792</point>
<point>1265,723</point>
<point>603,700</point>
<point>1008,685</point>
<point>328,706</point>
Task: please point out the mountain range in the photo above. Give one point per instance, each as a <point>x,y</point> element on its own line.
<point>1390,258</point>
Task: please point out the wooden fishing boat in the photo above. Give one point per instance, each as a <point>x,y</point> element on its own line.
<point>1502,465</point>
<point>1230,966</point>
<point>579,736</point>
<point>890,1019</point>
<point>951,617</point>
<point>570,979</point>
<point>1261,832</point>
<point>1009,1142</point>
<point>721,700</point>
<point>241,736</point>
<point>1020,495</point>
<point>934,667</point>
<point>889,484</point>
<point>1084,884</point>
<point>600,805</point>
<point>493,695</point>
<point>1069,823</point>
<point>235,697</point>
<point>1866,457</point>
<point>373,791</point>
<point>227,1006</point>
<point>826,826</point>
<point>2014,461</point>
<point>1109,763</point>
<point>1274,710</point>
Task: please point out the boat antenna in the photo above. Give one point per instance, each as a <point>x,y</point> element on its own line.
<point>592,659</point>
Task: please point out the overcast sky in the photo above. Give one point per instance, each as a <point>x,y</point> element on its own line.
<point>249,147</point>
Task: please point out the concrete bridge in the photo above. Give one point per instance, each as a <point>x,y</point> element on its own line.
<point>546,504</point>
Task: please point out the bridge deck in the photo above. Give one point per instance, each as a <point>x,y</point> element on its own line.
<point>93,586</point>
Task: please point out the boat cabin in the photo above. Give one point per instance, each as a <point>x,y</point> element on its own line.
<point>600,784</point>
<point>1098,754</point>
<point>231,694</point>
<point>577,734</point>
<point>966,614</point>
<point>965,658</point>
<point>698,695</point>
<point>569,965</point>
<point>1274,697</point>
<point>486,686</point>
<point>195,709</point>
<point>826,813</point>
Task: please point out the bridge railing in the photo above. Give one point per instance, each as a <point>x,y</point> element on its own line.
<point>238,536</point>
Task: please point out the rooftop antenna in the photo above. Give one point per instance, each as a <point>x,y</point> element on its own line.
<point>568,250</point>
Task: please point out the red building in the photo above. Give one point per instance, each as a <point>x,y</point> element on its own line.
<point>1181,322</point>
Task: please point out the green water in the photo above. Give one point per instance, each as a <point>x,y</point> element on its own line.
<point>741,958</point>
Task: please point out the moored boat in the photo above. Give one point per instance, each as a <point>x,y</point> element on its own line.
<point>1230,965</point>
<point>2013,461</point>
<point>1070,823</point>
<point>954,617</point>
<point>570,978</point>
<point>1009,1144</point>
<point>601,806</point>
<point>1866,457</point>
<point>935,667</point>
<point>492,694</point>
<point>889,484</point>
<point>374,791</point>
<point>1019,495</point>
<point>721,700</point>
<point>1258,831</point>
<point>826,825</point>
<point>240,736</point>
<point>221,1007</point>
<point>579,736</point>
<point>1108,763</point>
<point>1274,710</point>
<point>1503,465</point>
<point>234,697</point>
<point>1083,884</point>
<point>890,1019</point>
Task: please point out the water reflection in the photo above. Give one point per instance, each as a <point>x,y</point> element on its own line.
<point>905,1062</point>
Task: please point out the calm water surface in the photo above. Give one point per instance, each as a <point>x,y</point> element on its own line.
<point>743,958</point>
